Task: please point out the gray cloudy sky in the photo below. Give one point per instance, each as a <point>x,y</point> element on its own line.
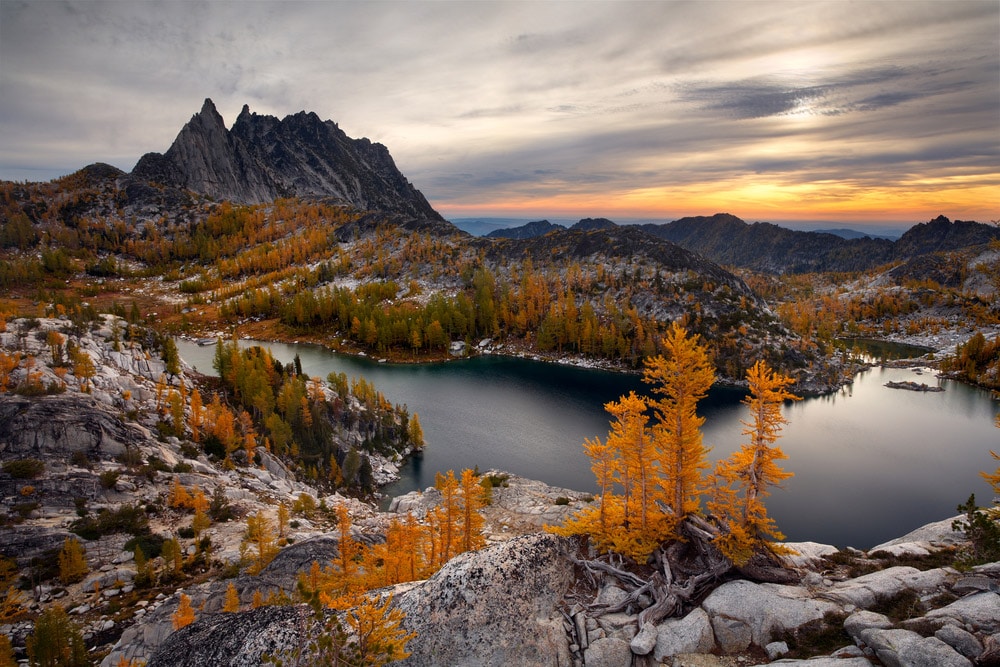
<point>768,110</point>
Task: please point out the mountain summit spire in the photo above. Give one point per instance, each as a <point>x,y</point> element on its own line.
<point>263,158</point>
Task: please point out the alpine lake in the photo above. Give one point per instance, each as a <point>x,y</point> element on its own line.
<point>870,463</point>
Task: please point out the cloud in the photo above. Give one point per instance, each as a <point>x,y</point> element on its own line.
<point>487,100</point>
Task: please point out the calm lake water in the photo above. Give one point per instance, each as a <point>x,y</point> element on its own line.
<point>870,463</point>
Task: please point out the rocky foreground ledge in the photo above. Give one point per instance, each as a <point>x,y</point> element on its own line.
<point>522,601</point>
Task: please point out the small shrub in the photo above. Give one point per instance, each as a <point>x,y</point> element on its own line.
<point>186,532</point>
<point>157,464</point>
<point>24,468</point>
<point>189,450</point>
<point>80,459</point>
<point>126,519</point>
<point>562,500</point>
<point>983,531</point>
<point>220,510</point>
<point>130,457</point>
<point>500,480</point>
<point>147,471</point>
<point>305,504</point>
<point>24,510</point>
<point>214,448</point>
<point>109,478</point>
<point>150,544</point>
<point>183,467</point>
<point>931,561</point>
<point>29,388</point>
<point>81,506</point>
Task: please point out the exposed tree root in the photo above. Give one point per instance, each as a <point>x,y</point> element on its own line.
<point>685,570</point>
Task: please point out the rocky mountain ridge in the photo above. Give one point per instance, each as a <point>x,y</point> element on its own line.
<point>527,231</point>
<point>262,158</point>
<point>763,246</point>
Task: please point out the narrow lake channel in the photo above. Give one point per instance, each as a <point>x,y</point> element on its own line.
<point>871,463</point>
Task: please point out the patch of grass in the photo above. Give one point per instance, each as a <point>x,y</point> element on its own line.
<point>936,559</point>
<point>900,607</point>
<point>855,566</point>
<point>820,637</point>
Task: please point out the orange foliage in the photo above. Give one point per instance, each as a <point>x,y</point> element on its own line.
<point>184,615</point>
<point>753,470</point>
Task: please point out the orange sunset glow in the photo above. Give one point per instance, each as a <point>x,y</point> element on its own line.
<point>865,112</point>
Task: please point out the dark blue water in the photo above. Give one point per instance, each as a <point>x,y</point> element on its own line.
<point>870,463</point>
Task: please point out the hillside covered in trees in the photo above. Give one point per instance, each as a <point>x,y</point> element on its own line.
<point>389,285</point>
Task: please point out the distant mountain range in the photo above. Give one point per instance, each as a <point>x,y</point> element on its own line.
<point>542,227</point>
<point>762,246</point>
<point>854,234</point>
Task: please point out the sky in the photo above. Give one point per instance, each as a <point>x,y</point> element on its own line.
<point>847,111</point>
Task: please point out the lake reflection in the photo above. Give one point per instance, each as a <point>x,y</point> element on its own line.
<point>870,463</point>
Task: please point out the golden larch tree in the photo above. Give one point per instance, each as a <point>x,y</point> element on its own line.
<point>8,362</point>
<point>72,562</point>
<point>446,526</point>
<point>605,464</point>
<point>627,522</point>
<point>629,437</point>
<point>680,378</point>
<point>180,497</point>
<point>232,601</point>
<point>338,582</point>
<point>745,478</point>
<point>184,615</point>
<point>377,627</point>
<point>260,535</point>
<point>197,416</point>
<point>993,479</point>
<point>416,432</point>
<point>471,521</point>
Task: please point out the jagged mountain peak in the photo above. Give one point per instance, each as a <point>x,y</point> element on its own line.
<point>527,231</point>
<point>263,158</point>
<point>593,224</point>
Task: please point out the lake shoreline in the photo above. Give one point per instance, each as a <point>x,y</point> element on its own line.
<point>530,417</point>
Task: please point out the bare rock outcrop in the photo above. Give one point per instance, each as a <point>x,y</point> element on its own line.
<point>263,158</point>
<point>58,426</point>
<point>498,606</point>
<point>233,640</point>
